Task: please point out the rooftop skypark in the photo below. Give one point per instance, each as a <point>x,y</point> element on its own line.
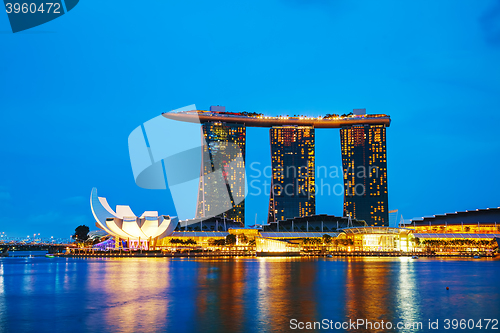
<point>253,119</point>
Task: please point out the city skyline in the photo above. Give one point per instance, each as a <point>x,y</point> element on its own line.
<point>245,166</point>
<point>292,192</point>
<point>435,71</point>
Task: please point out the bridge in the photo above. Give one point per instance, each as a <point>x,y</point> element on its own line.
<point>51,245</point>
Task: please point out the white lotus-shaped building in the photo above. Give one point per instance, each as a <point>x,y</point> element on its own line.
<point>124,225</point>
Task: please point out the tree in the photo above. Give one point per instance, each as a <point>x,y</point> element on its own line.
<point>327,239</point>
<point>220,242</point>
<point>243,238</point>
<point>81,233</point>
<point>230,239</point>
<point>493,243</point>
<point>190,242</point>
<point>216,242</point>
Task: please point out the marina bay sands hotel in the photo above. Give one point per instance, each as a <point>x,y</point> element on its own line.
<point>293,190</point>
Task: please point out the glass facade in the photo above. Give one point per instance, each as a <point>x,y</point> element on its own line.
<point>222,192</point>
<point>364,163</point>
<point>475,228</point>
<point>293,177</point>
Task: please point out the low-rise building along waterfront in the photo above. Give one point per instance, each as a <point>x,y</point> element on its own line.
<point>449,234</point>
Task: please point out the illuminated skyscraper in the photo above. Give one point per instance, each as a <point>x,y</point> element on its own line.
<point>292,159</point>
<point>224,152</point>
<point>364,163</point>
<point>363,138</point>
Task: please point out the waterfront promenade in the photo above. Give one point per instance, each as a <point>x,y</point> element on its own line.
<point>163,254</point>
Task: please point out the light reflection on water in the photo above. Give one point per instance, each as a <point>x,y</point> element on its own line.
<point>2,292</point>
<point>407,293</point>
<point>238,295</point>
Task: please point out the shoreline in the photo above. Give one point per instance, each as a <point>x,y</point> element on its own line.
<point>205,255</point>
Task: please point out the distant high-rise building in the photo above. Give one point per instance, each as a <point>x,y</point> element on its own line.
<point>364,163</point>
<point>224,189</point>
<point>293,165</point>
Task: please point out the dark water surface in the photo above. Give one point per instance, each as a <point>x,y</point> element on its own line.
<point>241,295</point>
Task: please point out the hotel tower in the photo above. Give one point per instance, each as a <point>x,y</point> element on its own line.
<point>292,194</point>
<point>364,162</point>
<point>219,154</point>
<point>292,160</point>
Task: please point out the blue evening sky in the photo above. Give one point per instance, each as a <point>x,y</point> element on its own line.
<point>72,90</point>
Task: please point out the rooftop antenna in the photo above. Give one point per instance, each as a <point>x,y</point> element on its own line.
<point>393,218</point>
<point>349,220</point>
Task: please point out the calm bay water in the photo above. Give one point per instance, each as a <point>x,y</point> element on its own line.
<point>239,295</point>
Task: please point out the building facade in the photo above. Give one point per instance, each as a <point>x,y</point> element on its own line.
<point>364,163</point>
<point>478,221</point>
<point>138,232</point>
<point>313,223</point>
<point>222,180</point>
<point>292,192</point>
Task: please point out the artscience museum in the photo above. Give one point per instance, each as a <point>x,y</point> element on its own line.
<point>139,232</point>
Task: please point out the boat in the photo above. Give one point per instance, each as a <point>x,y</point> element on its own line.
<point>48,255</point>
<point>477,256</point>
<point>5,252</point>
<point>414,257</point>
<point>329,256</point>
